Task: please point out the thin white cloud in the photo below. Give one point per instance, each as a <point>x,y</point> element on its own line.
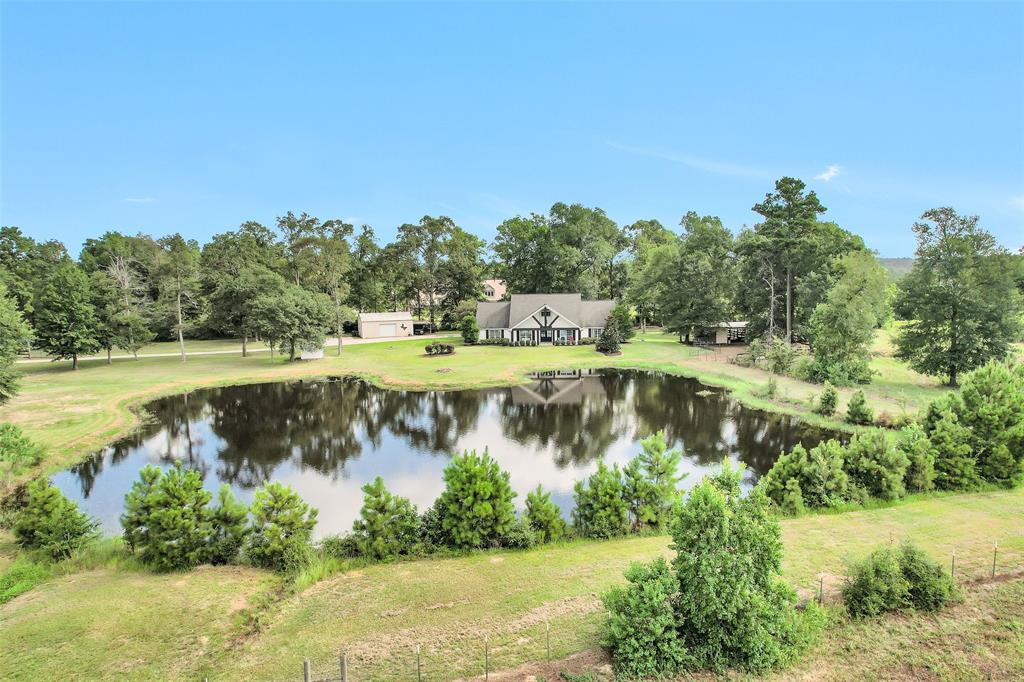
<point>696,162</point>
<point>1017,202</point>
<point>140,200</point>
<point>830,172</point>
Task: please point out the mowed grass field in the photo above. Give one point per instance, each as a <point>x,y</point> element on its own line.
<point>125,624</point>
<point>74,413</point>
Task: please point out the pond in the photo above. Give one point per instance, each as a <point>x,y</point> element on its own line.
<point>327,438</point>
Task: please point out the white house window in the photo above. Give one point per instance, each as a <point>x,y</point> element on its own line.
<point>564,334</point>
<point>494,334</point>
<point>596,331</point>
<point>526,335</point>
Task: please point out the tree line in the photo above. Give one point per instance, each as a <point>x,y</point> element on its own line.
<point>792,275</point>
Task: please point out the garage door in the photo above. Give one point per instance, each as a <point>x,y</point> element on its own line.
<point>389,330</point>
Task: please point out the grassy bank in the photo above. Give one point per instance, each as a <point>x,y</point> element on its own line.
<point>73,413</point>
<point>135,625</point>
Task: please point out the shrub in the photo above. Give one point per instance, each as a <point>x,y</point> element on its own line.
<point>340,546</point>
<point>780,357</point>
<point>876,467</point>
<point>828,401</point>
<point>166,520</point>
<point>601,508</point>
<point>651,482</point>
<point>623,321</point>
<point>51,522</point>
<point>896,579</point>
<point>920,476</point>
<point>520,535</point>
<point>432,532</point>
<point>641,631</point>
<point>388,525</point>
<point>476,506</point>
<point>769,390</point>
<point>229,527</point>
<point>610,337</point>
<point>280,529</point>
<point>857,411</point>
<point>818,475</point>
<point>955,467</point>
<point>544,516</point>
<point>17,452</point>
<point>470,330</point>
<point>733,611</point>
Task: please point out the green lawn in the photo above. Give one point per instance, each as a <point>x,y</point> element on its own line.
<point>134,625</point>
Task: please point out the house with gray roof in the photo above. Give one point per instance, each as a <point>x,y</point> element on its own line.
<point>542,318</point>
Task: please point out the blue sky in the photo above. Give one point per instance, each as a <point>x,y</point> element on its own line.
<point>196,117</point>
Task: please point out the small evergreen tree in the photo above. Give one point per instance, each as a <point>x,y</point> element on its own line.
<point>51,522</point>
<point>920,476</point>
<point>228,527</point>
<point>280,530</point>
<point>470,330</point>
<point>857,411</point>
<point>955,467</point>
<point>876,467</point>
<point>610,337</point>
<point>818,476</point>
<point>476,506</point>
<point>65,319</point>
<point>601,507</point>
<point>166,519</point>
<point>828,401</point>
<point>388,525</point>
<point>623,322</point>
<point>651,483</point>
<point>991,407</point>
<point>17,452</point>
<point>544,516</point>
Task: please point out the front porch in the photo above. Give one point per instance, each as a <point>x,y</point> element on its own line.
<point>546,336</point>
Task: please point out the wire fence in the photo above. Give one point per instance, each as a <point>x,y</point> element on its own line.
<point>534,644</point>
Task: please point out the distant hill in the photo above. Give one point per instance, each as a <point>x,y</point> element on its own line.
<point>897,267</point>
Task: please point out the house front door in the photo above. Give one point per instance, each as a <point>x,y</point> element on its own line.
<point>546,336</point>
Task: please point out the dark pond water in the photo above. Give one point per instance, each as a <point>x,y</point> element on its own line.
<point>328,438</point>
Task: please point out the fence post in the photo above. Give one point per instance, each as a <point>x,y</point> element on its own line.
<point>343,664</point>
<point>952,566</point>
<point>995,548</point>
<point>548,624</point>
<point>821,589</point>
<point>305,670</point>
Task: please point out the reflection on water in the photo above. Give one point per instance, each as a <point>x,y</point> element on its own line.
<point>328,438</point>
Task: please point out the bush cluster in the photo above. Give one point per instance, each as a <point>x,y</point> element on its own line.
<point>720,604</point>
<point>857,410</point>
<point>564,342</point>
<point>832,474</point>
<point>977,434</point>
<point>439,349</point>
<point>470,330</point>
<point>828,401</point>
<point>896,579</point>
<point>638,498</point>
<point>169,524</point>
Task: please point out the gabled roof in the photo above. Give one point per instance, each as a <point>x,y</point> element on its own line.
<point>384,317</point>
<point>506,314</point>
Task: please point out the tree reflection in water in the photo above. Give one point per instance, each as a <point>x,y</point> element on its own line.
<point>329,437</point>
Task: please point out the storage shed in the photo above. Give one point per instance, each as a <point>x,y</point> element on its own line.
<point>385,325</point>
